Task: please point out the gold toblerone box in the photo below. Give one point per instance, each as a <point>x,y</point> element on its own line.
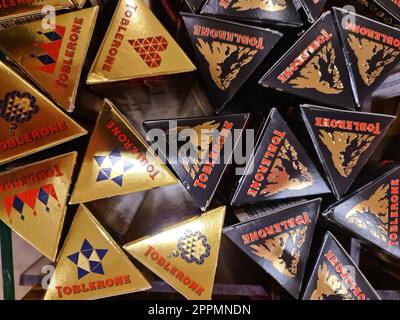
<point>53,58</point>
<point>33,201</point>
<point>117,161</point>
<point>91,265</point>
<point>29,121</point>
<point>14,12</point>
<point>136,46</point>
<point>186,254</point>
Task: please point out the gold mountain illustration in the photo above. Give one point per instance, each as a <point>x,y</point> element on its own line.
<point>321,73</point>
<point>265,5</point>
<point>224,60</point>
<point>372,214</point>
<point>200,138</point>
<point>345,148</point>
<point>372,57</point>
<point>287,172</point>
<point>329,286</point>
<point>283,251</point>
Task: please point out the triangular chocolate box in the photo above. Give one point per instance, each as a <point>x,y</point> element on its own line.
<point>372,50</point>
<point>315,67</point>
<point>136,45</point>
<point>184,255</point>
<point>372,212</point>
<point>53,58</point>
<point>211,140</point>
<point>117,161</point>
<point>29,121</point>
<point>33,201</point>
<point>313,8</point>
<point>279,167</point>
<point>91,264</point>
<point>336,276</point>
<point>280,242</point>
<point>344,141</point>
<point>227,53</point>
<point>280,12</point>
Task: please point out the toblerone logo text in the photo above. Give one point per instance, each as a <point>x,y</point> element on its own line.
<point>358,126</point>
<point>128,145</point>
<point>305,55</point>
<point>348,280</point>
<point>119,36</point>
<point>394,213</point>
<point>233,37</point>
<point>207,169</point>
<point>93,286</point>
<point>276,228</point>
<point>32,178</point>
<point>12,4</point>
<point>69,54</point>
<point>266,163</point>
<point>372,34</point>
<point>173,270</point>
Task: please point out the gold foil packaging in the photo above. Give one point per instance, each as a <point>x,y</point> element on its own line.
<point>53,58</point>
<point>136,38</point>
<point>184,255</point>
<point>30,122</point>
<point>33,201</point>
<point>91,265</point>
<point>118,161</point>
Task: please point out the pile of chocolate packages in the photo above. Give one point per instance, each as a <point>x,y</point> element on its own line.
<point>284,187</point>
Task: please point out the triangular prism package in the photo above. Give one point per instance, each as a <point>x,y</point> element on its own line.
<point>280,242</point>
<point>212,141</point>
<point>227,53</point>
<point>372,212</point>
<point>314,67</point>
<point>336,276</point>
<point>136,38</point>
<point>53,58</point>
<point>33,201</point>
<point>184,255</point>
<point>91,265</point>
<point>30,122</point>
<point>117,161</point>
<point>13,13</point>
<point>279,167</point>
<point>372,50</point>
<point>314,8</point>
<point>279,13</point>
<point>344,141</point>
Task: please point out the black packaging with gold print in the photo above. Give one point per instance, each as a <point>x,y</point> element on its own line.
<point>212,140</point>
<point>336,276</point>
<point>280,242</point>
<point>372,213</point>
<point>315,67</point>
<point>344,141</point>
<point>279,12</point>
<point>279,167</point>
<point>227,54</point>
<point>372,50</point>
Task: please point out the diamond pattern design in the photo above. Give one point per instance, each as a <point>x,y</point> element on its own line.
<point>17,108</point>
<point>193,247</point>
<point>112,167</point>
<point>88,260</point>
<point>149,49</point>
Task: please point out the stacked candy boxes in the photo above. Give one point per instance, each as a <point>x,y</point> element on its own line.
<point>333,68</point>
